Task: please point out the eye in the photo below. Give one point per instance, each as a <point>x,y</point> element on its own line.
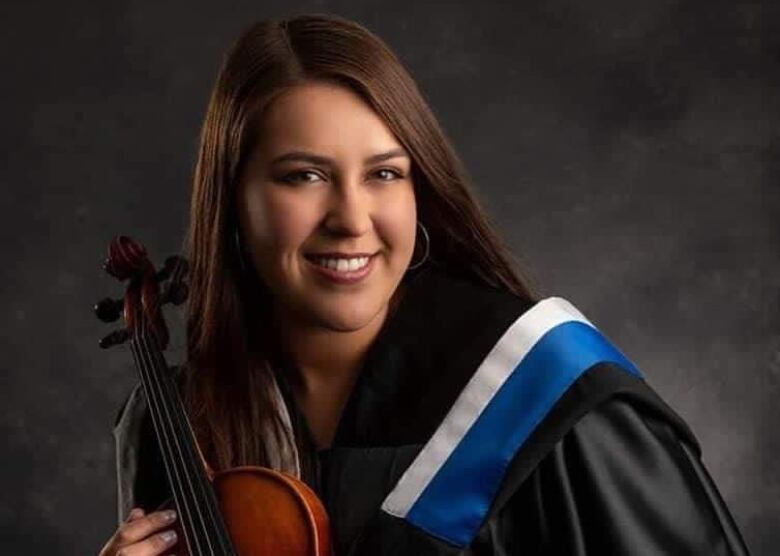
<point>394,174</point>
<point>296,176</point>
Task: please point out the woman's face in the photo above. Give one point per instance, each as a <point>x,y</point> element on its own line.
<point>327,177</point>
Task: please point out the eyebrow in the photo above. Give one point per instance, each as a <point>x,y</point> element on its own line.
<point>312,158</point>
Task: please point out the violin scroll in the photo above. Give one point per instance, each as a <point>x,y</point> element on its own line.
<point>126,258</point>
<point>146,292</point>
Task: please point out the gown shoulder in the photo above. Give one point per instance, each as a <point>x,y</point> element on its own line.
<point>623,480</point>
<point>621,476</point>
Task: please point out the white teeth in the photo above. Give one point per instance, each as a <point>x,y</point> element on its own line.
<point>343,265</point>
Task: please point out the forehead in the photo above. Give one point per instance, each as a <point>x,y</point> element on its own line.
<point>324,117</point>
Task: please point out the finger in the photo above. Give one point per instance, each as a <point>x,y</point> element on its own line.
<point>151,546</point>
<point>140,528</point>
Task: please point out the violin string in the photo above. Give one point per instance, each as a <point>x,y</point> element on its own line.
<point>214,512</point>
<point>195,542</point>
<point>164,443</point>
<point>176,483</point>
<point>205,494</point>
<point>205,488</point>
<point>189,497</point>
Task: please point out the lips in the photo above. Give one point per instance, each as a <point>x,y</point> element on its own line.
<point>338,255</point>
<point>340,277</point>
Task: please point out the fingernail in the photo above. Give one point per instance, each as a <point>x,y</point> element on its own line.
<point>168,536</point>
<point>169,515</point>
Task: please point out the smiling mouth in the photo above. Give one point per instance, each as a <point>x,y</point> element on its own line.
<point>341,263</point>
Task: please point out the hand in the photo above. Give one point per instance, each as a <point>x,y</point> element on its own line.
<point>140,535</point>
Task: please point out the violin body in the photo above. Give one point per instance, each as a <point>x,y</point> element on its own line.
<point>243,511</point>
<point>267,512</point>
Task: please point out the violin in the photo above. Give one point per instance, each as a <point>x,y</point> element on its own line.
<point>243,511</point>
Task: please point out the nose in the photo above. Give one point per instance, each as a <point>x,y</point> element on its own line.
<point>349,209</point>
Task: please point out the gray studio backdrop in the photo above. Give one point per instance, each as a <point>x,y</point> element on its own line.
<point>627,150</point>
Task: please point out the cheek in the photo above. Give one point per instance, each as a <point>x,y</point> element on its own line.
<point>275,224</point>
<point>397,219</point>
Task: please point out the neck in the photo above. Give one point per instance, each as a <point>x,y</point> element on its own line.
<point>326,360</point>
<point>324,365</point>
<point>323,359</point>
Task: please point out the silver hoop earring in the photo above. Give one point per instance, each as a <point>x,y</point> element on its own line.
<point>427,247</point>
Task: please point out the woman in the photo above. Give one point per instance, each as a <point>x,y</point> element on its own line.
<point>355,320</point>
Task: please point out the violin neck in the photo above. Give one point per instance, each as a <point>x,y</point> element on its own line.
<point>192,491</point>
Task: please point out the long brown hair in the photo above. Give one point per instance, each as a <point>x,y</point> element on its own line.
<point>227,381</point>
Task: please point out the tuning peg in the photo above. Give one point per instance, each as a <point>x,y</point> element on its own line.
<point>179,263</point>
<point>165,272</point>
<point>109,310</point>
<point>116,337</point>
<point>172,266</point>
<point>176,293</point>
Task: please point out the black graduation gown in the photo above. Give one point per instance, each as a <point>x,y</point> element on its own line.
<point>609,468</point>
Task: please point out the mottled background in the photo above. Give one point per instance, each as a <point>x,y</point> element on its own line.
<point>627,149</point>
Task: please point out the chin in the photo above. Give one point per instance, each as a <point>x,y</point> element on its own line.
<point>348,316</point>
